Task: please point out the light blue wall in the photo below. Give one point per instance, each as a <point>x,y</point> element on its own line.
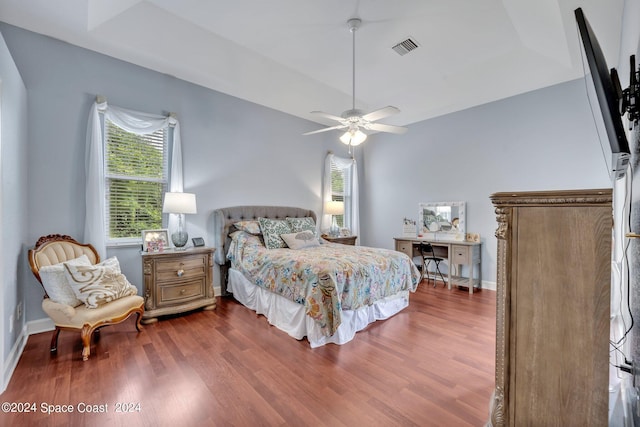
<point>13,197</point>
<point>234,152</point>
<point>542,140</point>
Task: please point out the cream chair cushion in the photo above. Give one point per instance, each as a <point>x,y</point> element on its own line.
<point>61,251</point>
<point>76,317</point>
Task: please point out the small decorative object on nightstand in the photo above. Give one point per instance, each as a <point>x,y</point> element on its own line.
<point>345,240</point>
<point>176,281</point>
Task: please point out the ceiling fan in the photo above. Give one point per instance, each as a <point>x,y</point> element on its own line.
<point>355,120</point>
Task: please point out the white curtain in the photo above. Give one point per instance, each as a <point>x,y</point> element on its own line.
<point>351,209</point>
<point>131,121</point>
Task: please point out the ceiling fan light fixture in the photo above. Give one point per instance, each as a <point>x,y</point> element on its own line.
<point>353,137</point>
<point>354,119</point>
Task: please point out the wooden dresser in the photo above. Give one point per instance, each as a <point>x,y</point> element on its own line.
<point>177,281</point>
<point>552,323</point>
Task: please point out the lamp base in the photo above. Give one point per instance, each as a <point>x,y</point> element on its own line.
<point>179,239</point>
<point>334,231</point>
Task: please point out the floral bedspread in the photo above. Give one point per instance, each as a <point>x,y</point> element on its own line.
<point>326,278</point>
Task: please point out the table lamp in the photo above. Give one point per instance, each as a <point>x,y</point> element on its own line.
<point>334,208</point>
<point>180,204</point>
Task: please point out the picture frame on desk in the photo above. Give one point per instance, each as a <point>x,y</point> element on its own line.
<point>472,237</point>
<point>408,227</point>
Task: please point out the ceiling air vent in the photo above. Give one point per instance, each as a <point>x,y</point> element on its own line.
<point>405,46</point>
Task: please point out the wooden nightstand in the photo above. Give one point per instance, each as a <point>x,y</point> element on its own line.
<point>177,281</point>
<point>345,240</point>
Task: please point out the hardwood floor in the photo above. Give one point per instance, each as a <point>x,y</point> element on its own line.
<point>430,365</point>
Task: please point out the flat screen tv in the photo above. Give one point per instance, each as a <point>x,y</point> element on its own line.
<point>606,88</point>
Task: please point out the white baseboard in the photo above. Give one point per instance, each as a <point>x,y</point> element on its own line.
<point>492,286</point>
<point>13,358</point>
<point>41,325</point>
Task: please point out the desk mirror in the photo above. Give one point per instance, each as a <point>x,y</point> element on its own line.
<point>442,220</point>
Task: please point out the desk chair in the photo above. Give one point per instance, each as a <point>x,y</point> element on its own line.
<point>428,257</point>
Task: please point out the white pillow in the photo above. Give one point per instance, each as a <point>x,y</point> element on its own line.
<point>56,284</point>
<point>302,239</point>
<point>111,262</point>
<point>98,284</point>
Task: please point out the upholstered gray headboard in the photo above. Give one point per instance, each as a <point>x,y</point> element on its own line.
<point>224,218</point>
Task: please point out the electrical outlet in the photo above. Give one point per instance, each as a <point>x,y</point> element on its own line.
<point>11,323</point>
<point>19,312</point>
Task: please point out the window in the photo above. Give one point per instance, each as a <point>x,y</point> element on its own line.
<point>136,177</point>
<point>340,183</point>
<point>337,189</point>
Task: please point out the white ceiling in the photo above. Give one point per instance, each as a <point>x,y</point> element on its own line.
<point>295,55</point>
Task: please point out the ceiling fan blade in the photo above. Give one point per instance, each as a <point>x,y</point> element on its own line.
<point>325,129</point>
<point>386,128</point>
<point>381,113</point>
<point>328,116</point>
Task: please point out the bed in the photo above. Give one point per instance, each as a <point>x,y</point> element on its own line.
<point>323,291</point>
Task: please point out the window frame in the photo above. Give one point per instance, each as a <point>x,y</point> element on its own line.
<point>106,177</point>
<point>337,195</point>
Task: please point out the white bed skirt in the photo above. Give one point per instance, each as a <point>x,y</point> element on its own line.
<point>290,317</point>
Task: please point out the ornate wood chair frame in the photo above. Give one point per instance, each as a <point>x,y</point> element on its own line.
<point>57,248</point>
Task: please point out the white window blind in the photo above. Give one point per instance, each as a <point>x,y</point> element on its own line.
<point>337,189</point>
<point>136,177</point>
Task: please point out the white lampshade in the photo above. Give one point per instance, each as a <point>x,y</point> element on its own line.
<point>179,203</point>
<point>353,137</point>
<point>334,208</point>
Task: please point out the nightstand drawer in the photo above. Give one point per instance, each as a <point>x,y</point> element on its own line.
<point>184,268</point>
<point>460,254</point>
<point>175,293</point>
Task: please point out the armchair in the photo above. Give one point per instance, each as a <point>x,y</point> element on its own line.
<point>68,313</point>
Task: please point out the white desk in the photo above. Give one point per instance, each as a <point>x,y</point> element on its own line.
<point>455,252</point>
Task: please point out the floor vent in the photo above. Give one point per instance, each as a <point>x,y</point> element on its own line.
<point>405,46</point>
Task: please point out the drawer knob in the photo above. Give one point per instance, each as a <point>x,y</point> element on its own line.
<point>180,272</point>
<point>183,291</point>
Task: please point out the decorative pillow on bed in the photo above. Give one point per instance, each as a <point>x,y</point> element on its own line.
<point>302,224</point>
<point>248,237</point>
<point>56,284</point>
<point>98,284</point>
<point>301,239</point>
<point>250,226</point>
<point>271,231</point>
